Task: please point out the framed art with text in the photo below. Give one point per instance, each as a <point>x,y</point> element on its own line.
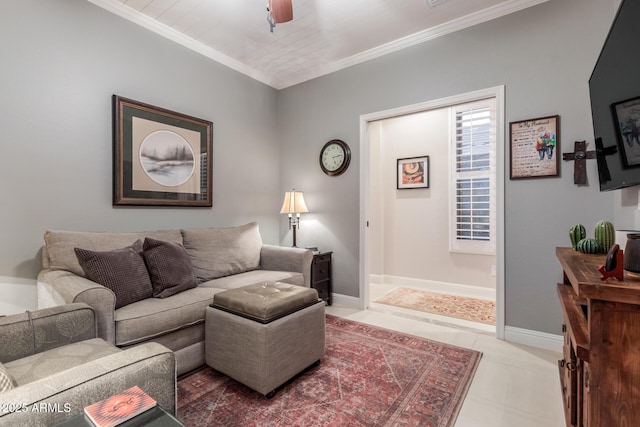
<point>160,157</point>
<point>626,115</point>
<point>413,172</point>
<point>534,147</point>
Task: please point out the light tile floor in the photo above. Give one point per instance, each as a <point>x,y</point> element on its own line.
<point>514,385</point>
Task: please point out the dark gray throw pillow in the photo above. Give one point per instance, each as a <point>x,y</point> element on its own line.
<point>121,270</point>
<point>169,267</point>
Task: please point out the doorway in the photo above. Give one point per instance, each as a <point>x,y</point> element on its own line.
<point>369,214</point>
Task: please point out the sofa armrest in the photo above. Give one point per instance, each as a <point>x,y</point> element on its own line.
<point>281,258</point>
<point>66,287</point>
<point>29,333</point>
<point>48,401</point>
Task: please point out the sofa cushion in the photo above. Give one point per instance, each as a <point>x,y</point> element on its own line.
<point>146,319</point>
<point>265,302</point>
<point>47,363</point>
<point>219,252</point>
<point>253,277</point>
<point>58,253</point>
<point>121,270</point>
<point>169,267</point>
<point>65,323</point>
<point>6,380</point>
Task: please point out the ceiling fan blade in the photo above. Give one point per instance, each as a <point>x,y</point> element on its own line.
<point>281,10</point>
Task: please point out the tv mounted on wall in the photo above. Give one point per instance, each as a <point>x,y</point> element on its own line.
<point>614,88</point>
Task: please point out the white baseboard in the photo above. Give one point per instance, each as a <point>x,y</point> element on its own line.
<point>376,279</point>
<point>434,286</point>
<point>533,338</point>
<point>346,300</point>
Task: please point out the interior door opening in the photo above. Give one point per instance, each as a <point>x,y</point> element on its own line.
<point>404,212</point>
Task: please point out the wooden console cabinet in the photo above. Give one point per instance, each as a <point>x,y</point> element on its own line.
<point>600,369</point>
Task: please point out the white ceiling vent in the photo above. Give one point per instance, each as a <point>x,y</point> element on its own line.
<point>434,2</point>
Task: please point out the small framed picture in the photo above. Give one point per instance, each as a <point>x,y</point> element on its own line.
<point>161,158</point>
<point>534,147</point>
<point>627,115</point>
<point>413,172</point>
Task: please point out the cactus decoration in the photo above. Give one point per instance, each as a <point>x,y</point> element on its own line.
<point>577,233</point>
<point>588,246</point>
<point>605,235</point>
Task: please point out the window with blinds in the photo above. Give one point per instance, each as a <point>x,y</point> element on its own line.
<point>473,177</point>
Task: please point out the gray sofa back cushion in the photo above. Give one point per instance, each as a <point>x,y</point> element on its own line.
<point>58,252</point>
<point>219,252</point>
<point>27,333</point>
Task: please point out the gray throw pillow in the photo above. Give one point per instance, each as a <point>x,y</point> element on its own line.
<point>169,267</point>
<point>121,270</point>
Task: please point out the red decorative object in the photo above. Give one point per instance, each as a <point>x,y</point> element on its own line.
<point>369,376</point>
<point>614,266</point>
<point>119,408</point>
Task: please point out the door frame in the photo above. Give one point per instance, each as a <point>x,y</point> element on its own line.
<point>365,163</point>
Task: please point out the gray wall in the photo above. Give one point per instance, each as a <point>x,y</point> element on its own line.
<point>544,56</point>
<point>63,59</point>
<point>62,62</point>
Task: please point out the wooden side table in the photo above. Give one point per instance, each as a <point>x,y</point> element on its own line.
<point>321,275</point>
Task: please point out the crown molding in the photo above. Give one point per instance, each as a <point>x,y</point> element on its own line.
<point>163,30</point>
<point>467,21</point>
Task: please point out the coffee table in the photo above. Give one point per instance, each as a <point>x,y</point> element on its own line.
<point>155,417</point>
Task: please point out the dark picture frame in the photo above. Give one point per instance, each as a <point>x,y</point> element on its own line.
<point>412,172</point>
<point>626,115</point>
<point>534,147</point>
<point>160,157</point>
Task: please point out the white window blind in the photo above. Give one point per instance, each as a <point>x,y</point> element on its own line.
<point>473,166</point>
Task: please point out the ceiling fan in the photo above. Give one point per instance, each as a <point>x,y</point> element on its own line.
<point>279,11</point>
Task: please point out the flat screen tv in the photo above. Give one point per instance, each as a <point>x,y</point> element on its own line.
<point>614,88</point>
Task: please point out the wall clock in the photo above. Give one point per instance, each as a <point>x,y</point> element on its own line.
<point>335,157</point>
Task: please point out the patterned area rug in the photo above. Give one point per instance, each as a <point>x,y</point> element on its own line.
<point>369,377</point>
<point>473,309</point>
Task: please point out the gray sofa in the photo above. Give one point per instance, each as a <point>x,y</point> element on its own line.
<point>52,366</point>
<point>221,259</point>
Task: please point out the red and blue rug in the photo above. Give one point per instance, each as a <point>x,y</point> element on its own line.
<point>369,376</point>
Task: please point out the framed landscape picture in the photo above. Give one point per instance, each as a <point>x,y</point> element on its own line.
<point>534,147</point>
<point>160,157</point>
<point>413,172</point>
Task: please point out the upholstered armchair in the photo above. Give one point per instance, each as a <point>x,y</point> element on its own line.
<point>52,366</point>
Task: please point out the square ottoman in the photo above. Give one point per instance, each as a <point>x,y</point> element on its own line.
<point>263,335</point>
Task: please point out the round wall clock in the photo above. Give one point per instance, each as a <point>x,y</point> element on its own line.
<point>335,157</point>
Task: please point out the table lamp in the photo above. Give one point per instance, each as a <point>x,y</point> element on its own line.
<point>294,204</point>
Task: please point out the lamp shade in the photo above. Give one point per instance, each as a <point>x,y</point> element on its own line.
<point>293,203</point>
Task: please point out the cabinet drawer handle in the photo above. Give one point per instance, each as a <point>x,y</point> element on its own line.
<point>571,366</point>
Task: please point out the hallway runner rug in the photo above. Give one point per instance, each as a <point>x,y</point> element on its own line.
<point>472,309</point>
<point>369,376</point>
